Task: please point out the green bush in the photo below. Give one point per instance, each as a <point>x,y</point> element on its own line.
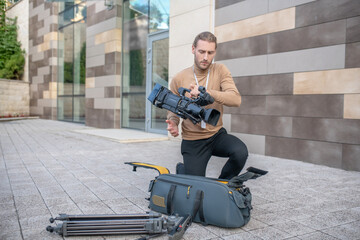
<point>12,58</point>
<point>14,67</point>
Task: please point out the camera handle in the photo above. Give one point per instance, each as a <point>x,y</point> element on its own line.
<point>182,91</point>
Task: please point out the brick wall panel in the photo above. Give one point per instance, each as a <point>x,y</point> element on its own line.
<point>353,29</point>
<point>324,153</point>
<point>352,55</point>
<point>275,84</point>
<point>329,130</point>
<point>262,125</point>
<point>224,3</point>
<point>323,106</point>
<point>242,48</point>
<point>255,105</point>
<point>351,155</point>
<point>326,11</point>
<point>326,34</point>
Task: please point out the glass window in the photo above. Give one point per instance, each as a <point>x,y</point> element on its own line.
<point>135,27</point>
<point>65,108</point>
<point>66,53</point>
<point>140,17</point>
<point>159,15</point>
<point>79,68</point>
<point>79,109</point>
<point>71,62</point>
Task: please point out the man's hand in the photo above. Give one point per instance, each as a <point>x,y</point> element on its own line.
<point>194,90</point>
<point>172,128</point>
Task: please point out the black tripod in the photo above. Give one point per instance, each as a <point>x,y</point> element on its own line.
<point>114,224</point>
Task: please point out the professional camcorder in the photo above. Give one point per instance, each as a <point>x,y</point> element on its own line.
<point>183,106</point>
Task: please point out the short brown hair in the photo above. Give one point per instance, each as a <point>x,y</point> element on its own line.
<point>205,36</point>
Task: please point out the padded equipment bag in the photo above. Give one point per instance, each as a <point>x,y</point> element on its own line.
<point>223,203</point>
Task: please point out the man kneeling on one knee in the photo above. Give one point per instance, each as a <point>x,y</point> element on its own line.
<point>201,141</point>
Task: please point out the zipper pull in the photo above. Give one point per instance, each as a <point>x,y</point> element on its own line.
<point>188,192</point>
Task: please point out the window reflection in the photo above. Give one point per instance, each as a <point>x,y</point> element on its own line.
<point>71,61</point>
<point>140,17</point>
<point>135,25</point>
<point>158,15</point>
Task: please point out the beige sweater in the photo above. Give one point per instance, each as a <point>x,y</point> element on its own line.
<point>221,87</point>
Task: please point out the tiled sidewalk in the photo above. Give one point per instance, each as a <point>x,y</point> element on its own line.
<point>51,167</point>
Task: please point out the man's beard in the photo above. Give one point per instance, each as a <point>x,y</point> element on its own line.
<point>203,65</point>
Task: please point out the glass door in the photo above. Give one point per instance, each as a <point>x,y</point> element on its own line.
<point>157,71</point>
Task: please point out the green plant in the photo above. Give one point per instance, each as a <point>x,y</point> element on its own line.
<point>137,75</point>
<point>12,58</point>
<point>14,67</point>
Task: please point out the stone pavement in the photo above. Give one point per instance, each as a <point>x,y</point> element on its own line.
<point>51,167</point>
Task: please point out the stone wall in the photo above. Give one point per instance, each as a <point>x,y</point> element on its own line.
<point>14,98</point>
<point>297,66</point>
<point>103,64</point>
<point>43,26</point>
<point>183,16</point>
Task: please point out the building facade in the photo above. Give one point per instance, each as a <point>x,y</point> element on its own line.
<point>296,64</point>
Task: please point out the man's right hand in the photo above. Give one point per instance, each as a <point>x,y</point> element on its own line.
<point>172,128</point>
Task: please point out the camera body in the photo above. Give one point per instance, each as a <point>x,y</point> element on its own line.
<point>183,106</point>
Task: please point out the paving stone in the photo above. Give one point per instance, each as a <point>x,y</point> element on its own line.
<point>332,219</point>
<point>222,232</point>
<point>28,201</point>
<point>69,208</point>
<point>94,208</point>
<point>317,236</point>
<point>293,228</point>
<point>271,233</point>
<point>197,231</point>
<point>254,224</point>
<point>48,168</point>
<point>297,213</point>
<point>39,233</point>
<point>33,211</point>
<point>15,234</point>
<point>242,236</point>
<point>141,202</point>
<point>107,194</point>
<point>270,218</point>
<point>59,199</point>
<point>349,231</point>
<point>9,224</point>
<point>36,221</point>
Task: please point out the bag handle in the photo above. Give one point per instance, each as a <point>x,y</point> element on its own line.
<point>198,206</point>
<point>252,173</point>
<point>170,202</point>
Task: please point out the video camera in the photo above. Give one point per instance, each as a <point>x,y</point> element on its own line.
<point>183,106</point>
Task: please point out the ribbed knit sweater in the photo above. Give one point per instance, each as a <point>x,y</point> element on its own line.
<point>221,87</point>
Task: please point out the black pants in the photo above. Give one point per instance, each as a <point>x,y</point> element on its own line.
<point>197,153</point>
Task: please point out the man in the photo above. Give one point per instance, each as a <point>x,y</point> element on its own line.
<point>202,140</point>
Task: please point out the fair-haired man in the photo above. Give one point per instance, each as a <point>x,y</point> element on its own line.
<point>201,141</point>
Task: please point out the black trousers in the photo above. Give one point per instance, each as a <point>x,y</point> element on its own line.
<point>197,153</point>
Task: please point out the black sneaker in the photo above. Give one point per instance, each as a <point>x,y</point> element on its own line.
<point>180,168</point>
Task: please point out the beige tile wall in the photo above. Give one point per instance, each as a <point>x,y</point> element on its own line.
<point>43,34</point>
<point>317,47</point>
<point>187,19</point>
<point>337,81</point>
<point>255,26</point>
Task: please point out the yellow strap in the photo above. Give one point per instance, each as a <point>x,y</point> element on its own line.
<point>220,181</point>
<point>161,170</point>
